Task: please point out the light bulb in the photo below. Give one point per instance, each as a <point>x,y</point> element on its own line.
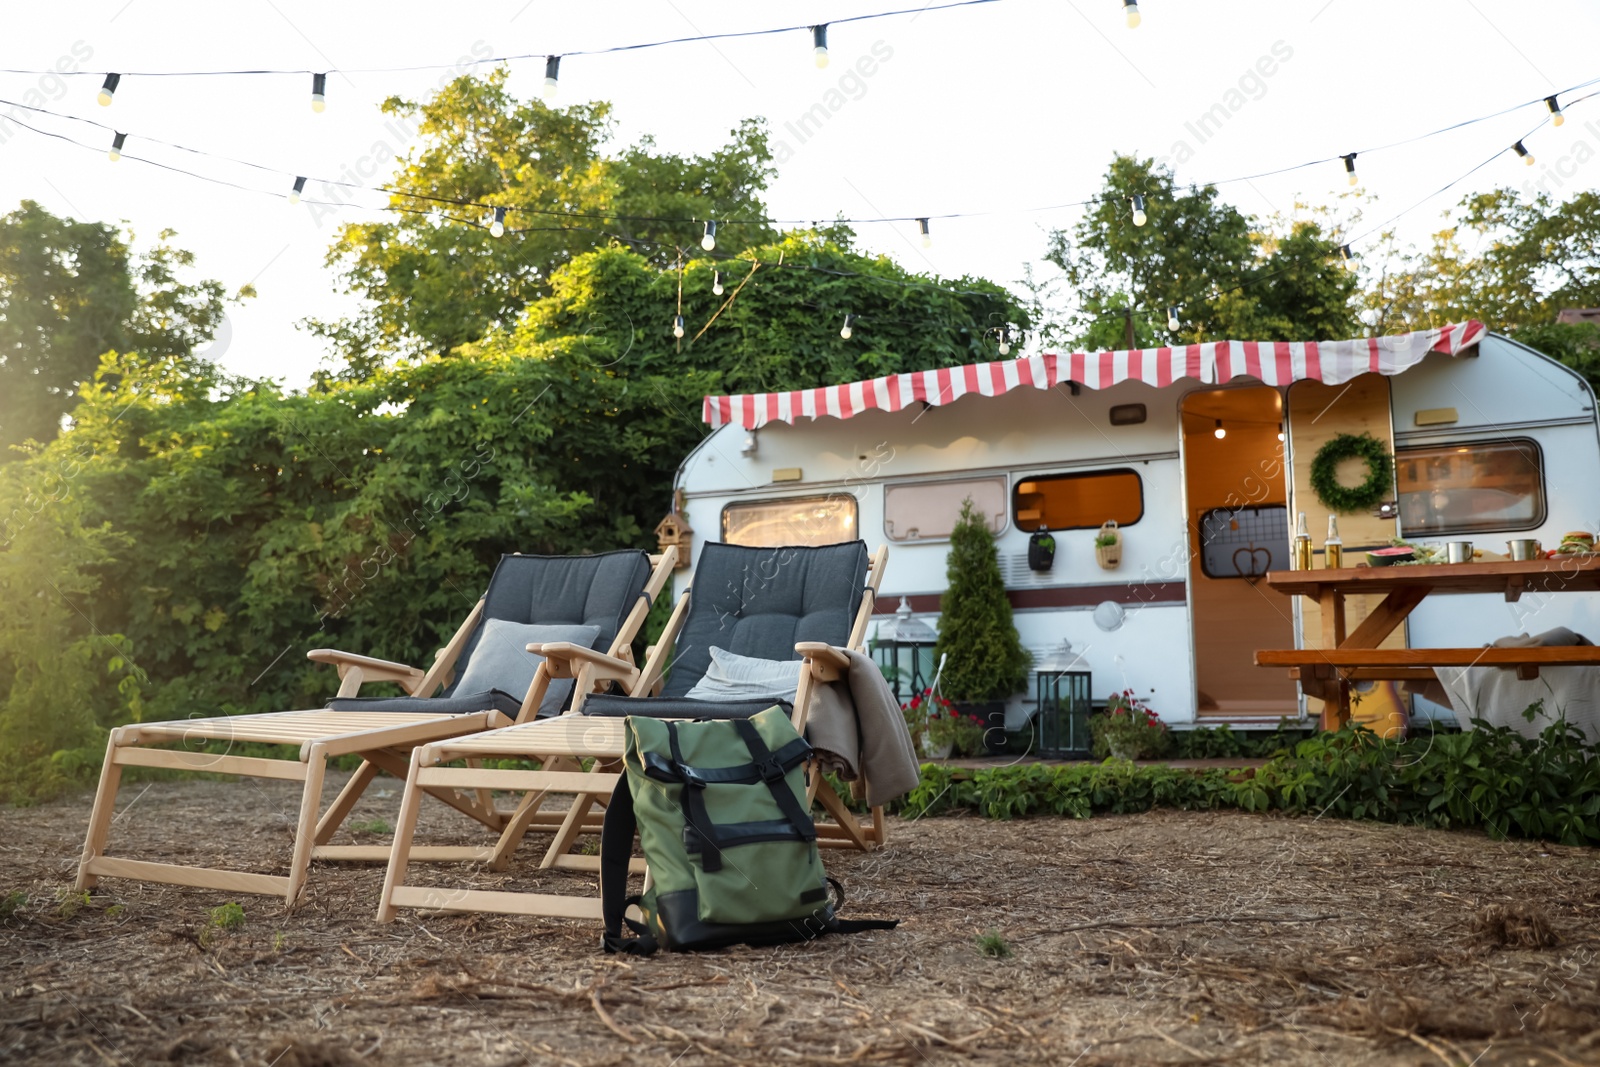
<point>1280,433</point>
<point>677,326</point>
<point>1556,117</point>
<point>552,71</point>
<point>1005,340</point>
<point>497,228</point>
<point>709,241</point>
<point>1348,257</point>
<point>1350,167</point>
<point>1139,217</point>
<point>299,187</point>
<point>927,238</point>
<point>1172,320</point>
<point>1522,150</point>
<point>819,42</point>
<point>1132,8</point>
<point>845,331</point>
<point>109,89</point>
<point>319,92</point>
<point>716,282</point>
<point>1219,433</point>
<point>116,147</point>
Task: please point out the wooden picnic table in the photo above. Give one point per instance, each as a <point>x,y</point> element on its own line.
<point>1326,673</point>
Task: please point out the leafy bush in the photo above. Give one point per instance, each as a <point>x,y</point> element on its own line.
<point>1490,778</point>
<point>1129,727</point>
<point>986,660</point>
<point>1220,742</point>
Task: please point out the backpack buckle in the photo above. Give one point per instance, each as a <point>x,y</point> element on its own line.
<point>771,770</point>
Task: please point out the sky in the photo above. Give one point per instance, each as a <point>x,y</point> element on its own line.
<point>999,111</point>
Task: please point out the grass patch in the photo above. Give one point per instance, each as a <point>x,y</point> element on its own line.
<point>994,946</point>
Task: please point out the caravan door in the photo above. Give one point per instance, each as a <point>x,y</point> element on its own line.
<point>1236,496</point>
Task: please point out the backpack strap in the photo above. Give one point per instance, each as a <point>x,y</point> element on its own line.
<point>773,772</point>
<point>616,849</point>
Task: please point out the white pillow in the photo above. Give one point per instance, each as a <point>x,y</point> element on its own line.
<point>734,677</point>
<point>501,659</point>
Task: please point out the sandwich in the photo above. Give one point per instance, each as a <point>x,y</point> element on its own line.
<point>1576,542</point>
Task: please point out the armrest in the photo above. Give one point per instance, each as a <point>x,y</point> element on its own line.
<point>366,669</point>
<point>822,654</point>
<point>566,659</point>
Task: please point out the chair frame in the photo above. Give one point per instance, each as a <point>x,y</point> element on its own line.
<point>562,743</point>
<point>384,740</point>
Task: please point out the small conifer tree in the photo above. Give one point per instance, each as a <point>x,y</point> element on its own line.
<point>986,658</point>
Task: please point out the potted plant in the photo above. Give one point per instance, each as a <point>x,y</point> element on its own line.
<point>1108,546</point>
<point>1041,549</point>
<point>956,733</point>
<point>983,661</point>
<point>1128,729</point>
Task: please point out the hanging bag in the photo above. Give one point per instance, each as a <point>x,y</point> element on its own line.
<point>1109,556</point>
<point>721,813</point>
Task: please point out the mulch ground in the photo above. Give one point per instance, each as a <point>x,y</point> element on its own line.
<point>1166,938</point>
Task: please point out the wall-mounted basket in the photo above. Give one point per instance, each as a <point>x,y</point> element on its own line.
<point>1108,555</point>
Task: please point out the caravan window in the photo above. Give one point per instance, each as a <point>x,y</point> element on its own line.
<point>799,520</point>
<point>1468,488</point>
<point>927,511</point>
<point>1079,501</point>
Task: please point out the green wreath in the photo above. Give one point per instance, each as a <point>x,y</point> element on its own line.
<point>1344,498</point>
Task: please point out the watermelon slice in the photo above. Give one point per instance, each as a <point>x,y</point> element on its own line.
<point>1384,557</point>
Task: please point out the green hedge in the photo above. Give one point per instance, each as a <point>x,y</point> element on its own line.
<point>1491,777</point>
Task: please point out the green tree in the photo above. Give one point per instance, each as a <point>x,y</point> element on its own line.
<point>71,291</point>
<point>983,659</point>
<point>1228,276</point>
<point>1508,261</point>
<point>435,278</point>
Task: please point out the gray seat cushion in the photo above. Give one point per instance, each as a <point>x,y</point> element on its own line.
<point>761,601</point>
<point>598,590</point>
<point>612,706</point>
<point>464,704</point>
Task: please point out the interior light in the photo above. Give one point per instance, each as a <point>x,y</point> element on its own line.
<point>1219,433</point>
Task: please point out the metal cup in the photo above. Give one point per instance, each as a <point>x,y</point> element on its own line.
<point>1459,551</point>
<point>1525,548</point>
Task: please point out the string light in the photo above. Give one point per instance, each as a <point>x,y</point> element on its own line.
<point>1219,433</point>
<point>849,321</point>
<point>1172,320</point>
<point>716,282</point>
<point>1005,340</point>
<point>319,93</point>
<point>927,238</point>
<point>819,44</point>
<point>299,187</point>
<point>1348,257</point>
<point>709,241</point>
<point>552,75</point>
<point>1522,150</point>
<point>1131,7</point>
<point>108,90</point>
<point>677,326</point>
<point>116,147</point>
<point>1556,117</point>
<point>497,228</point>
<point>1350,167</point>
<point>1139,217</point>
<point>1280,431</point>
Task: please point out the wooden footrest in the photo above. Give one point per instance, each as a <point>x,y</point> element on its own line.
<point>173,874</point>
<point>439,899</point>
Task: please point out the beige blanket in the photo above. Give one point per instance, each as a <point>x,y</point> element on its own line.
<point>1499,697</point>
<point>858,732</point>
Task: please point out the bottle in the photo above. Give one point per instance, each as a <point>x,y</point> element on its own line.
<point>1333,548</point>
<point>1302,545</point>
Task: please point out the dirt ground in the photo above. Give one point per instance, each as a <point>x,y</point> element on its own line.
<point>1167,938</point>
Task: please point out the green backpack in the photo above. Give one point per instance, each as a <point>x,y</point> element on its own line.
<point>720,808</point>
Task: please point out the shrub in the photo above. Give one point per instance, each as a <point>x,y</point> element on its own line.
<point>1129,727</point>
<point>986,660</point>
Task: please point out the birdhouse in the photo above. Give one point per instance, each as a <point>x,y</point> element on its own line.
<point>674,531</point>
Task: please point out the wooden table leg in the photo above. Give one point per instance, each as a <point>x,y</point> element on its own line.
<point>1336,690</point>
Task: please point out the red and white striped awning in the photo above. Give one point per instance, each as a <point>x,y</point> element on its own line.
<point>1273,362</point>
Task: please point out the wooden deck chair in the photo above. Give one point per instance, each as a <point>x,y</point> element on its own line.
<point>479,681</point>
<point>768,603</point>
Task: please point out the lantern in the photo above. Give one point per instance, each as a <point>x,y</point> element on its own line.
<point>1062,717</point>
<point>904,651</point>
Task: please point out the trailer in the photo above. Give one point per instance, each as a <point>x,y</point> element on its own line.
<point>1199,458</point>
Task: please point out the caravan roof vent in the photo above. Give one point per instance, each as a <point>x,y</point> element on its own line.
<point>1127,414</point>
